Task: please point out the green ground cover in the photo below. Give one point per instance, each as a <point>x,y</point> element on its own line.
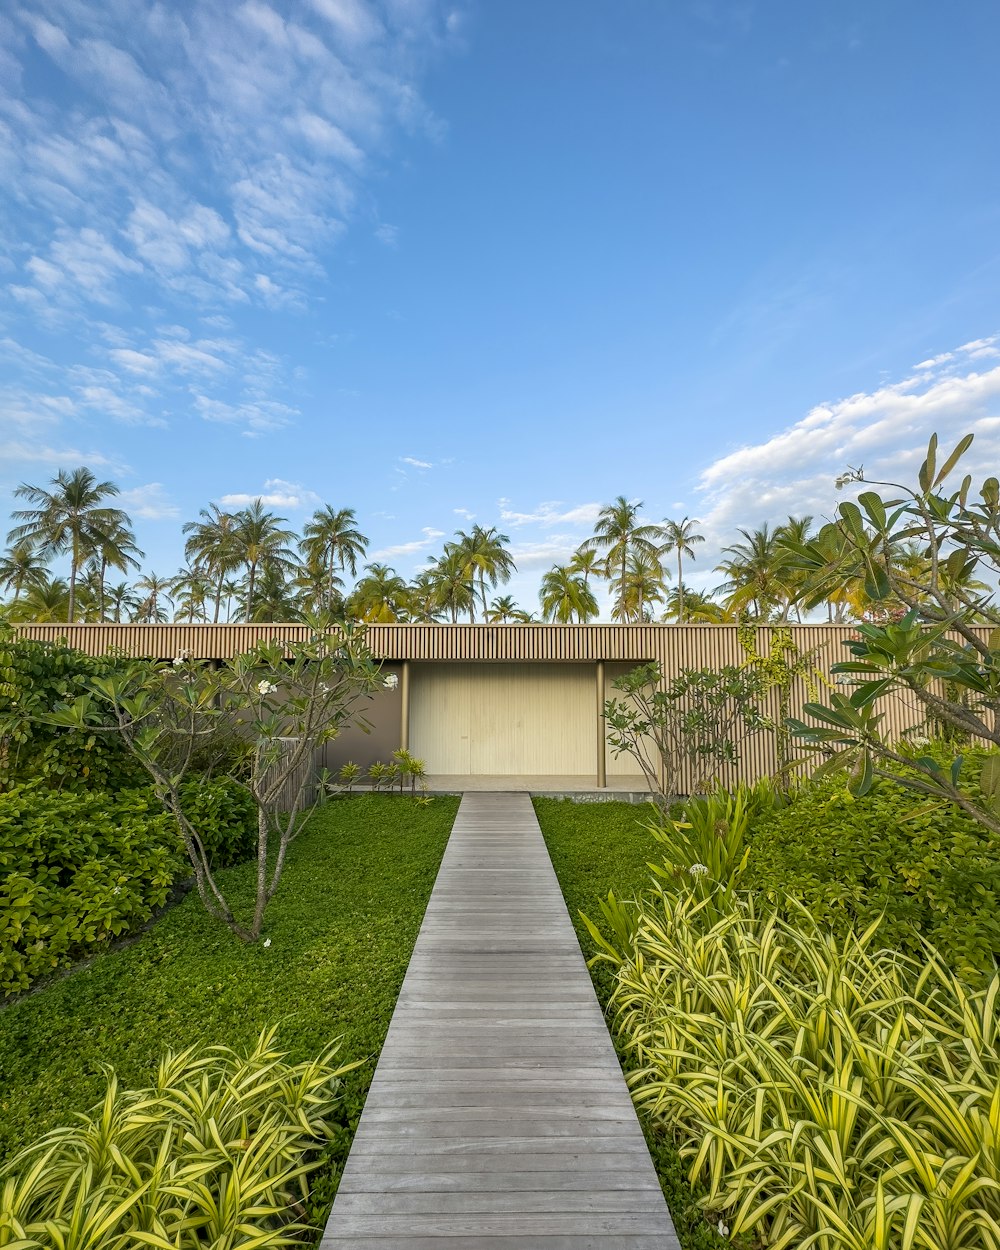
<point>341,931</point>
<point>596,848</point>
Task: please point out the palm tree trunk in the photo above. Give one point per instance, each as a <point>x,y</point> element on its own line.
<point>680,590</point>
<point>218,599</point>
<point>251,586</point>
<point>104,570</point>
<point>72,582</point>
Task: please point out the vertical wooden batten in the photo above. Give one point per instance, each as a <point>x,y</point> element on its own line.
<point>404,711</point>
<point>602,746</point>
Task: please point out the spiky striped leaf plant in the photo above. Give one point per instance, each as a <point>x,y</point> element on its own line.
<point>828,1093</point>
<point>217,1153</point>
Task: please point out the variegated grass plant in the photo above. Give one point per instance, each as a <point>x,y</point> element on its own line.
<point>217,1153</point>
<point>827,1093</point>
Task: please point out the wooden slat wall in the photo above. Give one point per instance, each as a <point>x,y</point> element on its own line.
<point>674,646</point>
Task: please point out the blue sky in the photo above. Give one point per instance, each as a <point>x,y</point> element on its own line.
<point>445,262</point>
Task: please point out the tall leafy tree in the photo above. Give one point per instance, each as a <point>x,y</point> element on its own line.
<point>46,601</point>
<point>67,520</point>
<point>487,560</point>
<point>451,576</point>
<point>423,599</point>
<point>20,568</point>
<point>380,595</point>
<point>566,597</point>
<point>114,548</point>
<point>213,546</point>
<point>680,537</point>
<point>643,585</point>
<point>154,600</point>
<point>698,608</point>
<point>261,540</point>
<point>754,570</point>
<point>618,534</point>
<point>504,611</point>
<point>332,540</point>
<point>587,563</point>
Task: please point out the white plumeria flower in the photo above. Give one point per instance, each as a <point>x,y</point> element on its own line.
<point>391,682</point>
<point>266,687</point>
<point>698,870</point>
<point>267,943</point>
<point>723,1229</point>
<point>179,660</point>
<point>117,890</point>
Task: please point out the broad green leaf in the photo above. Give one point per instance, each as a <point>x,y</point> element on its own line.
<point>963,446</point>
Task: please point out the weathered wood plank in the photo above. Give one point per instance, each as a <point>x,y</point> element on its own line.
<point>498,1116</point>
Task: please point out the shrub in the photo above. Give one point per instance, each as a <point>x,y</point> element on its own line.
<point>34,677</point>
<point>828,1094</point>
<point>75,871</point>
<point>933,871</point>
<point>224,816</point>
<point>216,1153</point>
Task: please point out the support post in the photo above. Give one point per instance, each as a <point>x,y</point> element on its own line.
<point>602,768</point>
<point>404,712</point>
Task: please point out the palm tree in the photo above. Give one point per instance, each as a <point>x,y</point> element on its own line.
<point>505,611</point>
<point>121,599</point>
<point>643,585</point>
<point>698,608</point>
<point>486,560</point>
<point>276,599</point>
<point>260,540</point>
<point>423,600</point>
<point>566,596</point>
<point>151,609</point>
<point>797,530</point>
<point>191,589</point>
<point>754,573</point>
<point>114,548</point>
<point>21,567</point>
<point>379,596</point>
<point>679,536</point>
<point>213,547</point>
<point>68,519</point>
<point>332,541</point>
<point>618,534</point>
<point>587,563</point>
<point>450,574</point>
<point>45,601</point>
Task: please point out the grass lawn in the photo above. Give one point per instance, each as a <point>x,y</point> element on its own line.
<point>597,847</point>
<point>342,928</point>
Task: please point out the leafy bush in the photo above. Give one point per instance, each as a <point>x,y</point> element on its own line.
<point>75,871</point>
<point>216,1153</point>
<point>34,677</point>
<point>932,870</point>
<point>225,818</point>
<point>827,1092</point>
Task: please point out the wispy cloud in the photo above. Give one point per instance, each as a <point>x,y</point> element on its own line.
<point>884,430</point>
<point>151,502</point>
<point>415,547</point>
<point>276,493</point>
<point>549,514</point>
<point>414,463</point>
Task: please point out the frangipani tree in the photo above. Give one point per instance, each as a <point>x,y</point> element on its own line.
<point>935,655</point>
<point>272,707</point>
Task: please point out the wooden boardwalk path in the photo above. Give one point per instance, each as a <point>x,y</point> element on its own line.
<point>498,1116</point>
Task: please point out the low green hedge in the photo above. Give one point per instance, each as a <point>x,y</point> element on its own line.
<point>78,870</point>
<point>932,871</point>
<point>75,871</point>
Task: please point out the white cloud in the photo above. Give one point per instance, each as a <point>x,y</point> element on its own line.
<point>389,235</point>
<point>430,537</point>
<point>414,463</point>
<point>464,513</point>
<point>543,554</point>
<point>150,502</point>
<point>15,452</point>
<point>549,514</point>
<point>884,430</point>
<point>258,416</point>
<point>276,493</point>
